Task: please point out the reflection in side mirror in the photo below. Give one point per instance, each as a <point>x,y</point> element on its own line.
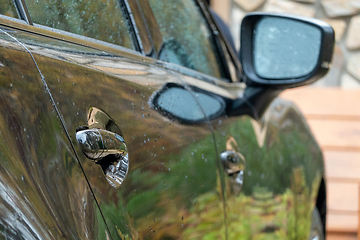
<point>284,51</point>
<point>285,48</point>
<point>178,103</point>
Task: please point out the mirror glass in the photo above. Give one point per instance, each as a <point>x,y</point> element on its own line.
<point>285,48</point>
<point>181,104</point>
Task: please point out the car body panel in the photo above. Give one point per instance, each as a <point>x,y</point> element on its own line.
<point>176,186</point>
<point>44,194</point>
<point>282,176</point>
<point>170,163</point>
<point>284,168</point>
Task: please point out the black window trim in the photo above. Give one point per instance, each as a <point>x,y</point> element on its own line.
<point>215,35</point>
<point>219,36</point>
<point>23,11</point>
<point>133,29</point>
<point>147,31</point>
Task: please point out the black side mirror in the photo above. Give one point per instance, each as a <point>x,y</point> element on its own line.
<point>284,51</point>
<point>280,51</point>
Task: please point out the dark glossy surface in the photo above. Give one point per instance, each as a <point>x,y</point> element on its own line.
<point>282,176</point>
<point>171,165</point>
<point>43,193</point>
<point>284,167</point>
<point>218,177</point>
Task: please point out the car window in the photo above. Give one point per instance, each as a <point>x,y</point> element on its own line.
<point>8,8</point>
<point>100,19</point>
<point>186,37</point>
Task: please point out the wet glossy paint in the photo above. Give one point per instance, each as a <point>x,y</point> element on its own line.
<point>276,195</point>
<point>44,194</point>
<point>170,164</point>
<point>176,186</point>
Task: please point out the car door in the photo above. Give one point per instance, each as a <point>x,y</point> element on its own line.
<point>160,161</point>
<point>273,167</point>
<point>43,192</point>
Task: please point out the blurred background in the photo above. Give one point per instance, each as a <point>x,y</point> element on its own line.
<point>331,105</point>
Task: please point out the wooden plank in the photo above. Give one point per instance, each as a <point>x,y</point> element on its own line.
<point>343,197</point>
<point>340,222</point>
<point>345,134</point>
<point>325,101</point>
<point>340,164</point>
<point>335,123</point>
<point>341,236</point>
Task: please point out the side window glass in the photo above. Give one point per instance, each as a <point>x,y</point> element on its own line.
<point>8,8</point>
<point>186,37</point>
<point>100,19</point>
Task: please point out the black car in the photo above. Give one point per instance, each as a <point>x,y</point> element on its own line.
<point>134,119</point>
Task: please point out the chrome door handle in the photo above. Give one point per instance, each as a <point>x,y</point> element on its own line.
<point>98,143</point>
<point>107,149</point>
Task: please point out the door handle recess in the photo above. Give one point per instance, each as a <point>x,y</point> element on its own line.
<point>107,149</point>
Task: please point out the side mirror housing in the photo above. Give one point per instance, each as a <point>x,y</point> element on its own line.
<point>280,51</point>
<point>284,51</point>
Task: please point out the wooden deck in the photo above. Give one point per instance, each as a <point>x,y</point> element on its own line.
<point>334,117</point>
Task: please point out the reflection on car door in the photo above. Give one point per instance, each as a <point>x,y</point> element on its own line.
<point>274,173</point>
<point>172,165</point>
<point>43,193</point>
